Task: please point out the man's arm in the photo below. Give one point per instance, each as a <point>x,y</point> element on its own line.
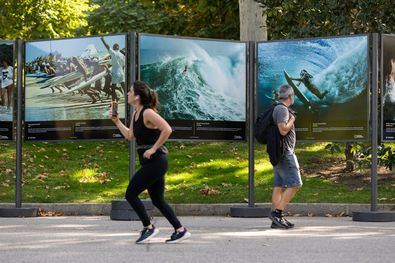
<point>284,128</point>
<point>284,119</point>
<point>104,43</point>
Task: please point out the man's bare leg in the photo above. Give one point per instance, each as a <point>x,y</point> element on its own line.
<point>277,196</point>
<point>287,196</point>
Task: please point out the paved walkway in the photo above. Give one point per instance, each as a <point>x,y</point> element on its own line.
<point>214,239</point>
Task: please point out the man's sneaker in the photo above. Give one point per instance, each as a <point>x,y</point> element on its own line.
<point>289,224</point>
<point>278,220</point>
<point>274,226</point>
<point>178,236</point>
<point>147,234</point>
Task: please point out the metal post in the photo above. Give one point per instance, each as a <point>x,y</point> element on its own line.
<point>374,120</point>
<point>251,210</point>
<point>132,156</point>
<point>18,211</point>
<point>132,78</point>
<point>251,99</point>
<point>18,181</point>
<point>120,209</point>
<point>374,215</point>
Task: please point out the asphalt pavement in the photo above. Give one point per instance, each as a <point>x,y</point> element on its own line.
<point>214,239</point>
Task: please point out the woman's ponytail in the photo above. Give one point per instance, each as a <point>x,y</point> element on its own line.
<point>148,97</point>
<point>154,104</point>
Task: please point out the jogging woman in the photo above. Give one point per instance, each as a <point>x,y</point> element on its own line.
<point>150,131</point>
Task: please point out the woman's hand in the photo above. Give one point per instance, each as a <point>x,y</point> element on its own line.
<point>148,153</point>
<point>115,119</point>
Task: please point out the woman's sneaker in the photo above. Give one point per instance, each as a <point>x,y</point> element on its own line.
<point>146,234</point>
<point>274,226</point>
<point>178,236</point>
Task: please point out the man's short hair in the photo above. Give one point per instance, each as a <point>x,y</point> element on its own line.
<point>285,91</point>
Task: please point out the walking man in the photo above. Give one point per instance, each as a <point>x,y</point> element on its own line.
<point>287,180</point>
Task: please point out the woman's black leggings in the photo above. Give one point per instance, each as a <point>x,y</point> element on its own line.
<point>151,176</point>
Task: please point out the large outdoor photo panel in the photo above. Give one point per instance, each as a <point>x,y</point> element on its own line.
<point>388,87</point>
<point>7,88</point>
<point>70,84</point>
<point>331,83</point>
<point>201,85</point>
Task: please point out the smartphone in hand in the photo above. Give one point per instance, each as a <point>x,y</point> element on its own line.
<point>114,112</point>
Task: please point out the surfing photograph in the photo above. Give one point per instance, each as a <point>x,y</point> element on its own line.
<point>7,88</point>
<point>330,79</point>
<point>195,79</point>
<point>201,85</point>
<point>74,79</point>
<point>388,87</point>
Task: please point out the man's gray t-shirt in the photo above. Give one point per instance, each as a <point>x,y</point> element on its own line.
<point>281,114</point>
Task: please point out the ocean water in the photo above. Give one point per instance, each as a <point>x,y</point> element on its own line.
<point>338,65</point>
<point>212,88</point>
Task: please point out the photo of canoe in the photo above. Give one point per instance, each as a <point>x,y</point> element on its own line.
<point>329,77</point>
<point>74,79</point>
<point>196,79</point>
<point>7,86</point>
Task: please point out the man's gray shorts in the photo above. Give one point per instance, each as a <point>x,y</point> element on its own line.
<point>286,172</point>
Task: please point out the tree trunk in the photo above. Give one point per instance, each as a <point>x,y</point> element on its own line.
<point>252,21</point>
<point>349,157</point>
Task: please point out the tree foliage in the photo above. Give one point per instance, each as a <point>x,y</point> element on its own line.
<point>200,18</point>
<point>311,18</point>
<point>110,16</point>
<point>30,19</point>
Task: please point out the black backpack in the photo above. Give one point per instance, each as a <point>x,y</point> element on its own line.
<point>266,132</point>
<point>262,123</point>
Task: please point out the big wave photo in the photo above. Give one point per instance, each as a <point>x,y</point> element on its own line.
<point>196,79</point>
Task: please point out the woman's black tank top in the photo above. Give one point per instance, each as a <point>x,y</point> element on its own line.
<point>144,135</point>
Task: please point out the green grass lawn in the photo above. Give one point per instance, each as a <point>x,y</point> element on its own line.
<point>198,173</point>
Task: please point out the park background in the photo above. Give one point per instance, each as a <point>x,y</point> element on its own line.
<point>200,172</point>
